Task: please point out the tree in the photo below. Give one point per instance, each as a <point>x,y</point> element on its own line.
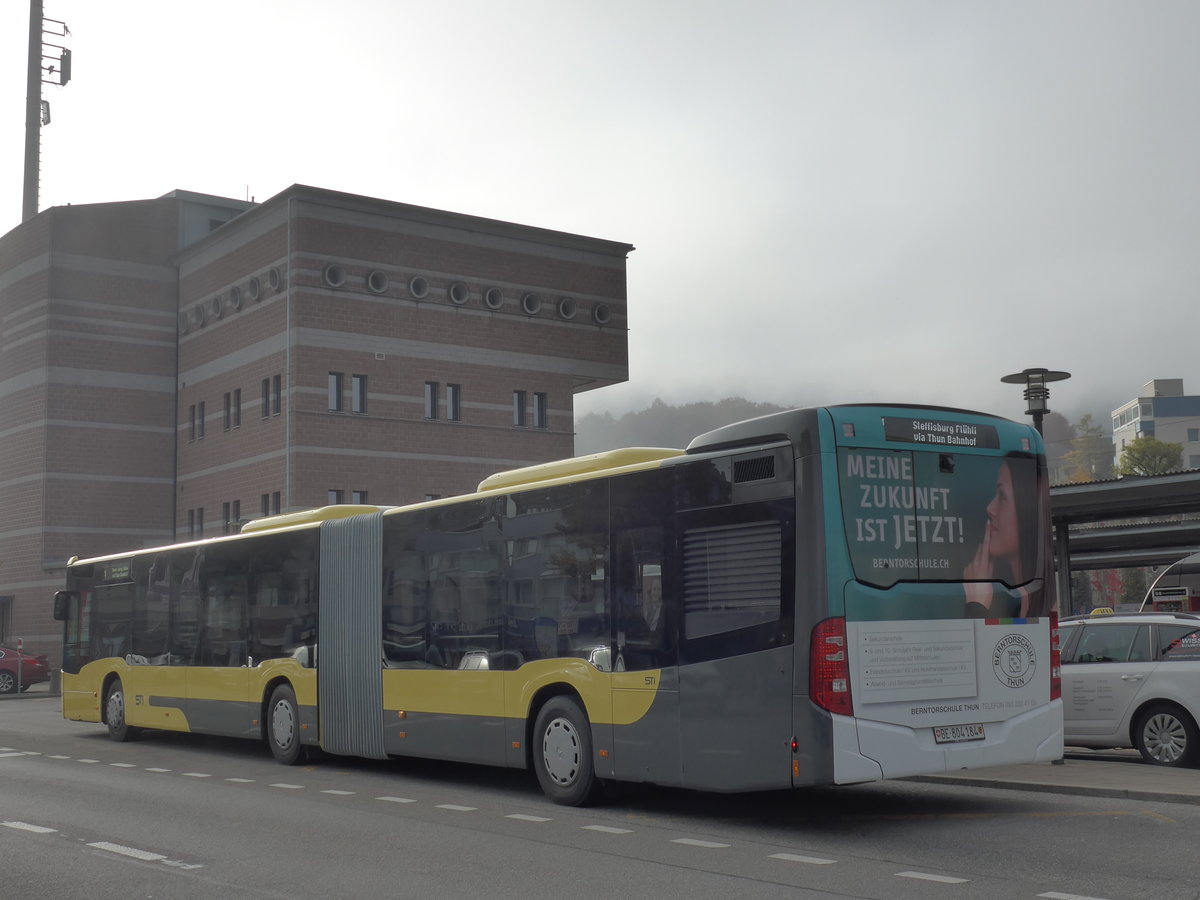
<point>1150,456</point>
<point>1091,455</point>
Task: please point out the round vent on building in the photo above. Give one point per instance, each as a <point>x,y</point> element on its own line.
<point>254,290</point>
<point>273,279</point>
<point>493,297</point>
<point>215,308</point>
<point>377,282</point>
<point>567,307</point>
<point>335,275</point>
<point>601,314</point>
<point>531,303</point>
<point>459,293</point>
<point>199,316</point>
<point>235,298</point>
<point>419,287</point>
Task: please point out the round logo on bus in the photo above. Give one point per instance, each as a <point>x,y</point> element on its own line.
<point>1014,660</point>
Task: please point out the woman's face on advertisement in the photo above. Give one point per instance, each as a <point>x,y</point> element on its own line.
<point>1002,517</point>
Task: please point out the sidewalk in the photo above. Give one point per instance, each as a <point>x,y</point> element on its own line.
<point>1094,773</point>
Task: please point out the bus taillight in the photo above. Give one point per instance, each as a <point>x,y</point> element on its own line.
<point>1055,659</point>
<point>829,668</point>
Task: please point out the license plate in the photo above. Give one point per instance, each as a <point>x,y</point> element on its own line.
<point>952,734</point>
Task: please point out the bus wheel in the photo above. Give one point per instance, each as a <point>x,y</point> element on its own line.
<point>114,713</point>
<point>283,725</point>
<point>562,752</point>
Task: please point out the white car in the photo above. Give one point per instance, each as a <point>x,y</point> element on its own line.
<point>1133,680</point>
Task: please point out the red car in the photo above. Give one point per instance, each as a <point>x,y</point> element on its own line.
<point>19,670</point>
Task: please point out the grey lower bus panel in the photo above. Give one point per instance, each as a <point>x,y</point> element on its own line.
<point>349,682</point>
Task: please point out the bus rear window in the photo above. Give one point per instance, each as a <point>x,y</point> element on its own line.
<point>939,516</point>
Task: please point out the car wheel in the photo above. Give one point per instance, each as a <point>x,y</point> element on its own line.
<point>283,725</point>
<point>114,713</point>
<point>8,683</point>
<point>1165,735</point>
<point>562,752</point>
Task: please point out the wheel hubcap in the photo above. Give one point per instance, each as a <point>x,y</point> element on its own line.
<point>283,725</point>
<point>1165,738</point>
<point>116,708</point>
<point>560,752</point>
<point>7,682</point>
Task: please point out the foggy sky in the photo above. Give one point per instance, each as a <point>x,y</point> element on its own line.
<point>831,201</point>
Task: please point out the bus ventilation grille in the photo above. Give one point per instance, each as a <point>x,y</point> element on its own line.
<point>760,468</point>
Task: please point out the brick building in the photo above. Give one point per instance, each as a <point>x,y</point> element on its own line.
<point>172,367</point>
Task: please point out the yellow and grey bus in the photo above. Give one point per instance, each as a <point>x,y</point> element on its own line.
<point>821,596</point>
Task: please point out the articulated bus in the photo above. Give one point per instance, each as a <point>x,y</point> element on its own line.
<point>821,596</point>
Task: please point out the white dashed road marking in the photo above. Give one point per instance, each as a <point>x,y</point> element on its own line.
<point>524,818</point>
<point>811,860</point>
<point>692,842</point>
<point>453,807</point>
<point>607,829</point>
<point>144,855</point>
<point>927,876</point>
<point>396,799</point>
<point>25,826</point>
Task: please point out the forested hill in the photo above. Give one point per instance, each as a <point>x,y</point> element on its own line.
<point>661,425</point>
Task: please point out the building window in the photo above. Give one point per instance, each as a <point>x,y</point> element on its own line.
<point>519,408</point>
<point>358,393</point>
<point>200,419</point>
<point>454,402</point>
<point>192,422</point>
<point>1193,435</point>
<point>358,497</point>
<point>237,407</point>
<point>541,410</point>
<point>191,523</point>
<point>333,497</point>
<point>226,521</point>
<point>1193,461</point>
<point>433,496</point>
<point>228,410</point>
<point>265,504</point>
<point>275,507</point>
<point>431,399</point>
<point>335,391</point>
<point>276,395</point>
<point>266,398</point>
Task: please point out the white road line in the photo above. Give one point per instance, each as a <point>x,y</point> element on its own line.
<point>143,855</point>
<point>340,793</point>
<point>396,799</point>
<point>12,753</point>
<point>123,765</point>
<point>524,818</point>
<point>811,860</point>
<point>87,760</point>
<point>196,775</point>
<point>607,829</point>
<point>453,807</point>
<point>25,826</point>
<point>288,787</point>
<point>692,842</point>
<point>1055,895</point>
<point>58,756</point>
<point>157,769</point>
<point>927,876</point>
<point>241,780</point>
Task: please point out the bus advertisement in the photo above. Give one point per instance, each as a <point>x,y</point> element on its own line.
<point>822,596</point>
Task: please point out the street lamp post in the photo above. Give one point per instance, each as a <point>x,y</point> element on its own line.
<point>1036,392</point>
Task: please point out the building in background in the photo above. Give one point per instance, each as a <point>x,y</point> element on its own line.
<point>170,368</point>
<point>1161,411</point>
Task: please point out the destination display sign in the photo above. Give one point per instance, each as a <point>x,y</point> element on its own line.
<point>938,432</point>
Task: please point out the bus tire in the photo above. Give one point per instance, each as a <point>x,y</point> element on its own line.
<point>114,713</point>
<point>562,752</point>
<point>283,725</point>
